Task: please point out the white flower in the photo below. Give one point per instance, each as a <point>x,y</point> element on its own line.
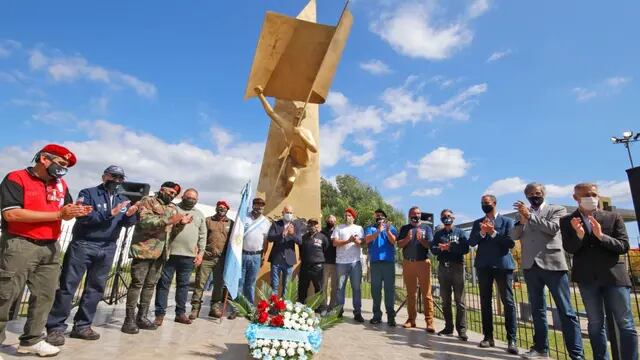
<point>304,315</point>
<point>273,352</point>
<point>300,350</point>
<point>295,317</point>
<point>287,315</point>
<point>310,322</point>
<point>257,354</point>
<point>265,350</point>
<point>282,352</point>
<point>293,345</point>
<point>298,309</point>
<point>289,306</point>
<point>296,326</point>
<point>291,352</point>
<point>307,347</point>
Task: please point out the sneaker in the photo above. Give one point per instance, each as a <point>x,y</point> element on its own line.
<point>55,337</point>
<point>42,348</point>
<point>535,354</point>
<point>86,333</point>
<point>358,318</point>
<point>487,342</point>
<point>462,335</point>
<point>512,348</point>
<point>445,332</point>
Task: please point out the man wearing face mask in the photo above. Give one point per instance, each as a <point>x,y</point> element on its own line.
<point>450,244</point>
<point>544,264</point>
<point>219,228</point>
<point>414,239</point>
<point>186,246</point>
<point>329,274</point>
<point>149,250</point>
<point>492,235</point>
<point>284,234</point>
<point>253,246</point>
<point>598,239</point>
<point>381,240</point>
<point>347,238</point>
<point>312,249</point>
<point>91,250</point>
<point>33,202</point>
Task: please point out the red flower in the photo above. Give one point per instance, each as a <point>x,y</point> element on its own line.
<point>280,305</point>
<point>263,305</point>
<point>274,298</point>
<point>277,321</point>
<point>263,317</point>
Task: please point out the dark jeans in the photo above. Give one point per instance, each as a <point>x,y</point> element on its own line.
<point>558,284</point>
<point>280,271</point>
<point>451,277</point>
<point>182,266</point>
<point>383,275</point>
<point>94,258</point>
<point>617,300</point>
<point>504,280</point>
<point>309,273</point>
<point>250,270</point>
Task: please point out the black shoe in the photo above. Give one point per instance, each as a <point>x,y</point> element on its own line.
<point>445,332</point>
<point>232,316</point>
<point>84,334</point>
<point>462,335</point>
<point>512,348</point>
<point>375,321</point>
<point>358,318</point>
<point>145,324</point>
<point>486,342</point>
<point>391,322</point>
<point>130,327</point>
<point>340,315</point>
<point>55,337</point>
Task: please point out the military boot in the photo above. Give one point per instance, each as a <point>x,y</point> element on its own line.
<point>142,321</point>
<point>194,313</point>
<point>129,326</point>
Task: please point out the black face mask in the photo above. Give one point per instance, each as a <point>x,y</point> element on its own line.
<point>330,225</point>
<point>535,201</point>
<point>487,208</point>
<point>56,171</point>
<point>415,218</point>
<point>446,220</point>
<point>379,220</point>
<point>111,186</point>
<point>164,198</point>
<point>221,211</point>
<point>188,204</point>
<point>257,211</point>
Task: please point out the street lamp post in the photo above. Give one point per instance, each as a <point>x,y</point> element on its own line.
<point>626,139</point>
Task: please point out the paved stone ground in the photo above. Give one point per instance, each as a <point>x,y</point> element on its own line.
<point>208,338</point>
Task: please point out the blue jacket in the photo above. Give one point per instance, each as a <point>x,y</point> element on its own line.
<point>100,226</point>
<point>458,248</point>
<point>494,252</point>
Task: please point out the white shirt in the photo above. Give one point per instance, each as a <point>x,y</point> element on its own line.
<point>351,252</point>
<point>253,240</point>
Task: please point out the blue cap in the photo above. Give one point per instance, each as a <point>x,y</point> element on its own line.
<point>114,170</point>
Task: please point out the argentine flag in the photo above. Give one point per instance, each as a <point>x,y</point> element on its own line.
<point>233,260</point>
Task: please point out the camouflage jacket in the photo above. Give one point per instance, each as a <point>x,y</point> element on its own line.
<point>150,236</point>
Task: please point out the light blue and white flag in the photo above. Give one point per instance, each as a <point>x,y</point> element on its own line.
<point>233,260</point>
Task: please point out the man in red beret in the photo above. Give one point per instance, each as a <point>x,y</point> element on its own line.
<point>34,201</point>
<point>218,230</point>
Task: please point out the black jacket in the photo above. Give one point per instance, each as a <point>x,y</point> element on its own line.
<point>283,250</point>
<point>598,261</point>
<point>312,248</point>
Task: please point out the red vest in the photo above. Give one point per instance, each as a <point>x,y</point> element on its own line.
<point>38,196</point>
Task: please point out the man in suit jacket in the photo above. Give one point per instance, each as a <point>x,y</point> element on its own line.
<point>284,234</point>
<point>91,250</point>
<point>597,238</point>
<point>544,264</point>
<point>494,262</point>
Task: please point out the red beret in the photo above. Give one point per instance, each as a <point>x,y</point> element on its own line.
<point>223,203</point>
<point>352,212</point>
<point>62,152</point>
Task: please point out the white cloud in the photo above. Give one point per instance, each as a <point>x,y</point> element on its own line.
<point>7,47</point>
<point>55,117</point>
<point>558,191</point>
<point>583,94</point>
<point>497,55</point>
<point>361,159</point>
<point>396,181</point>
<point>375,67</point>
<point>607,87</point>
<point>427,192</point>
<point>412,29</point>
<point>506,186</point>
<point>227,144</point>
<point>145,158</point>
<point>443,164</point>
<point>445,82</point>
<point>618,191</point>
<point>617,81</point>
<point>72,68</point>
<point>406,105</point>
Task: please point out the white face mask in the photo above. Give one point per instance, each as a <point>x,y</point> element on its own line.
<point>589,203</point>
<point>288,217</point>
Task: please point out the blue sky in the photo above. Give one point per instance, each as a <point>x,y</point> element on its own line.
<point>434,102</point>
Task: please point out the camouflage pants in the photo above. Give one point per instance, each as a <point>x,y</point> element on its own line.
<point>145,274</point>
<point>215,265</point>
<point>37,265</point>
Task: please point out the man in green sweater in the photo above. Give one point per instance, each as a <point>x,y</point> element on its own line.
<point>186,246</point>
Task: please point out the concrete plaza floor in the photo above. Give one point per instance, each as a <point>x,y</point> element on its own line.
<point>209,338</point>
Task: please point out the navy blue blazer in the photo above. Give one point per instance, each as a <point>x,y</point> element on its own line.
<point>494,252</point>
<point>99,225</point>
<point>283,250</point>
